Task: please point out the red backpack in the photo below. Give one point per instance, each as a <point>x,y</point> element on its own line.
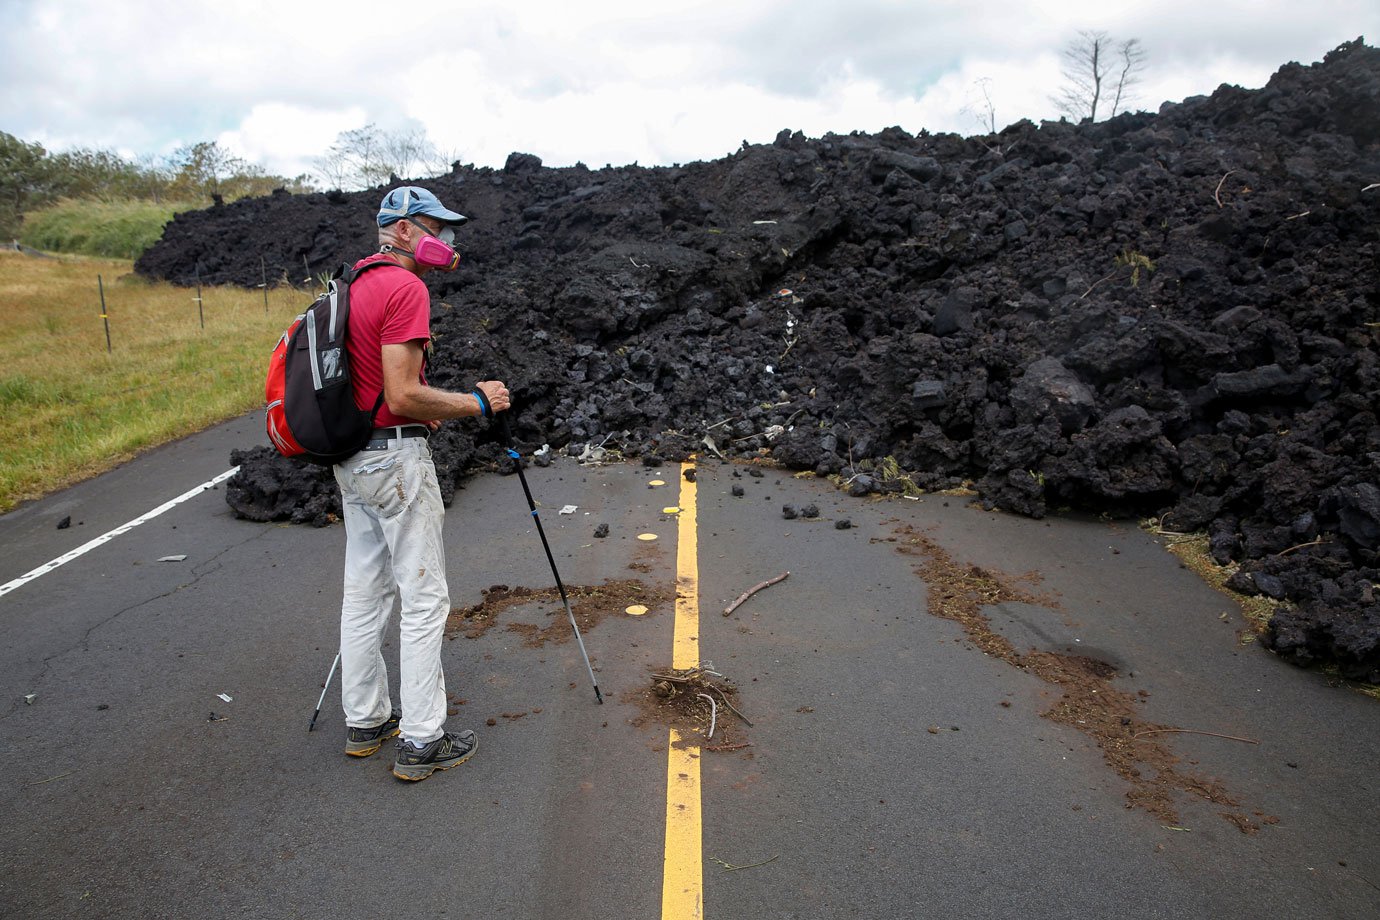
<point>311,412</point>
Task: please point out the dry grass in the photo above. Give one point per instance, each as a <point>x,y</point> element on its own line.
<point>1192,551</point>
<point>70,410</point>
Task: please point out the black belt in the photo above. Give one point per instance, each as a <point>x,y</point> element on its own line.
<point>384,437</point>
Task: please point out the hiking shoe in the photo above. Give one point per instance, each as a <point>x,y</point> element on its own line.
<point>361,742</point>
<point>450,749</point>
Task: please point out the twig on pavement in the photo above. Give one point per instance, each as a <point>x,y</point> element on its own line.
<point>732,868</point>
<point>1193,731</point>
<point>753,590</point>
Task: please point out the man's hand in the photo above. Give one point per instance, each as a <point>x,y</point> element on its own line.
<point>497,395</point>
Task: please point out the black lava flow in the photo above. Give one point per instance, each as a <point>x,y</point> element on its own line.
<point>1173,315</point>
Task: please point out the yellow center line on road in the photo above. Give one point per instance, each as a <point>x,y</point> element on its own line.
<point>682,885</point>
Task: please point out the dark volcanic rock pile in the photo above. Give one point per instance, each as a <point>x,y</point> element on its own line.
<point>1171,314</point>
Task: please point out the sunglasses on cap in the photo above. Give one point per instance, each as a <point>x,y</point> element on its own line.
<point>446,235</point>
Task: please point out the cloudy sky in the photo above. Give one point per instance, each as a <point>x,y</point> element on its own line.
<point>601,81</point>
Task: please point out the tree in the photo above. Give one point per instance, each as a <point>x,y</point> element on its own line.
<point>1129,63</point>
<point>24,181</point>
<point>408,152</point>
<point>32,178</point>
<point>87,173</point>
<point>355,159</point>
<point>154,175</point>
<point>984,110</point>
<point>1096,67</point>
<point>199,170</point>
<point>369,156</point>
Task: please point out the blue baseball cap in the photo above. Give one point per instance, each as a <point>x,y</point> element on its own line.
<point>410,200</point>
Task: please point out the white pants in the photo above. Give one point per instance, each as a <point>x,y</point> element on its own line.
<point>393,547</point>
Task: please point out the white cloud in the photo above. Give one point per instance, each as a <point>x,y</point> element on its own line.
<point>289,136</point>
<point>612,82</point>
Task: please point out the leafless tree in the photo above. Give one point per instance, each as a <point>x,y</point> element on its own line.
<point>1097,67</point>
<point>332,169</point>
<point>369,156</point>
<point>984,109</point>
<point>412,153</point>
<point>1130,61</point>
<point>355,160</point>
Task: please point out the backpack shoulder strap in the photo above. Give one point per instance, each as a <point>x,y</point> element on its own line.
<point>348,273</point>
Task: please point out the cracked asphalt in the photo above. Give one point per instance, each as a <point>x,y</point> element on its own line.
<point>122,798</point>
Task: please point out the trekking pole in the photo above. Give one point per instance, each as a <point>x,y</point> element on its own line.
<point>517,460</point>
<point>334,665</point>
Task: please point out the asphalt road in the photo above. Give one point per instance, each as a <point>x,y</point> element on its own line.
<point>122,799</point>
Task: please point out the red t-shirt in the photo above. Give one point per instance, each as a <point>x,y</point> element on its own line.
<point>388,306</point>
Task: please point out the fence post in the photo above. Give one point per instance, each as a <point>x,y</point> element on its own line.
<point>105,317</point>
<point>199,311</point>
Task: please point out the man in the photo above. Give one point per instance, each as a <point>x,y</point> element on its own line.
<point>393,510</point>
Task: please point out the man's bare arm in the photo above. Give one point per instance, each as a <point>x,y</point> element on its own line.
<point>405,393</point>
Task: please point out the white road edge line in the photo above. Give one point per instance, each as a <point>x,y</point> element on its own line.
<point>85,548</point>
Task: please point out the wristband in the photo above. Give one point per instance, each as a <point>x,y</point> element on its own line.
<point>484,409</point>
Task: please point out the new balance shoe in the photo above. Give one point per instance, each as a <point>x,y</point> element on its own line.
<point>361,742</point>
<point>447,751</point>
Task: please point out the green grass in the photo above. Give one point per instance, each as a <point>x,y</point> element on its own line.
<point>110,229</point>
<point>69,410</point>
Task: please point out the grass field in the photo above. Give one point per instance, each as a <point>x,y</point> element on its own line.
<point>109,229</point>
<point>71,410</point>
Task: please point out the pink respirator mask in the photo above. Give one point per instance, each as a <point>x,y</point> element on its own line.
<point>433,250</point>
